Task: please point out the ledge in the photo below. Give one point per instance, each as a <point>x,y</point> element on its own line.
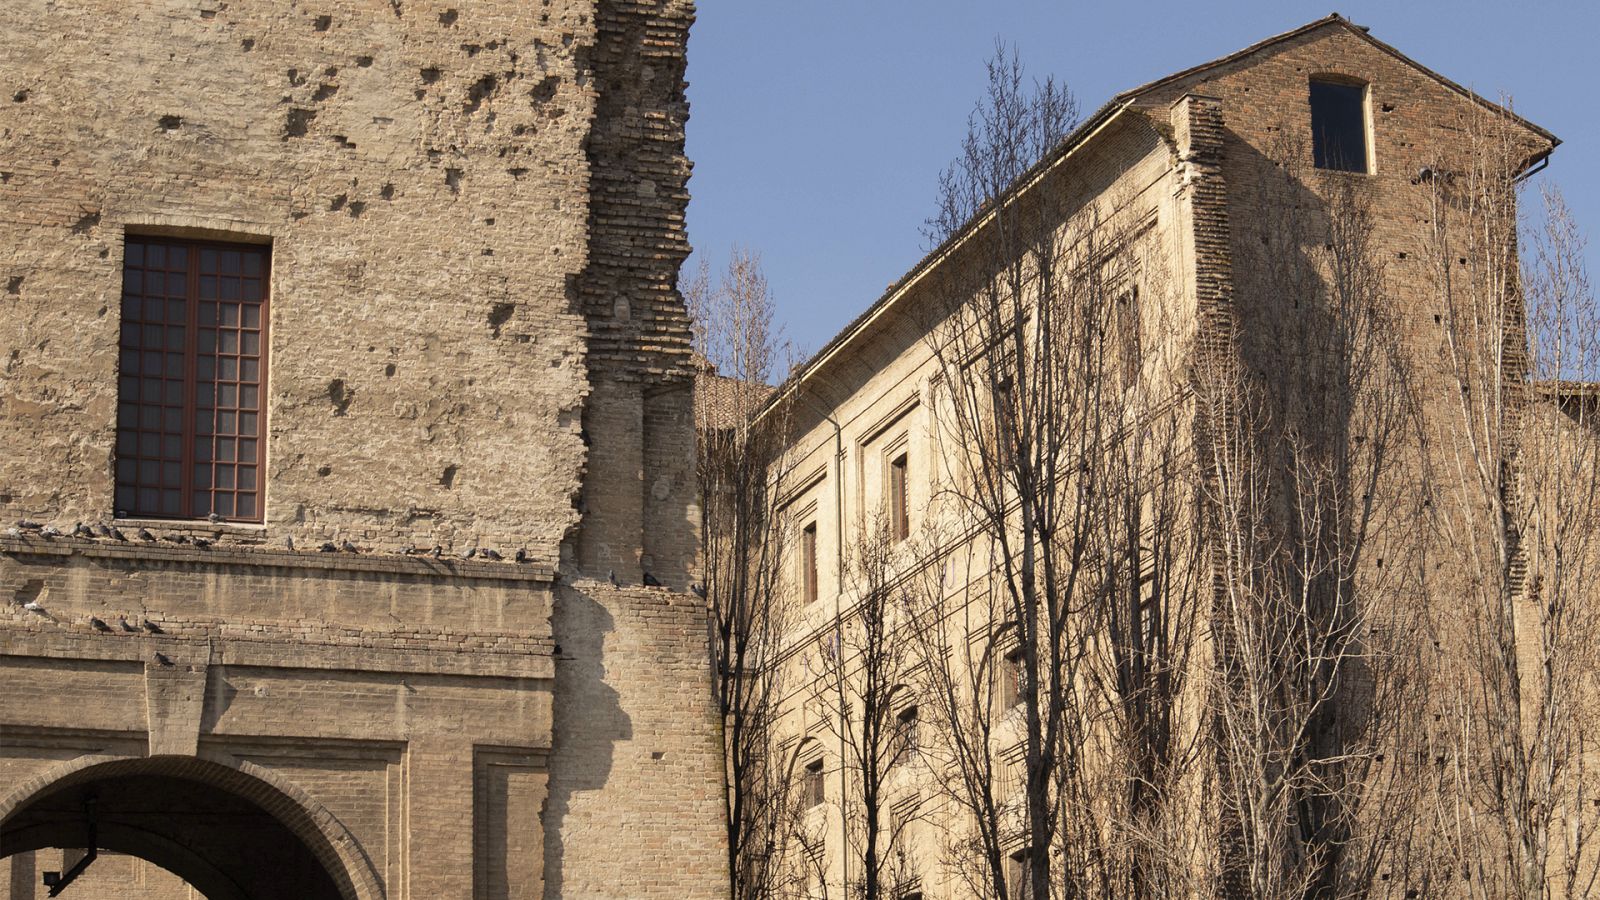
<point>133,550</point>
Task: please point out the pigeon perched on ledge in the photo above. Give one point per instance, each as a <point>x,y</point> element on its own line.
<point>98,624</point>
<point>491,553</point>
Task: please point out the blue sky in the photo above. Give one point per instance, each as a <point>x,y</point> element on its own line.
<point>818,128</point>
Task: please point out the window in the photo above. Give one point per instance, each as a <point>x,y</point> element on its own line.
<point>190,434</point>
<point>808,562</point>
<point>1013,679</point>
<point>1129,352</point>
<point>899,514</point>
<point>1019,876</point>
<point>811,794</point>
<point>1339,126</point>
<point>905,735</point>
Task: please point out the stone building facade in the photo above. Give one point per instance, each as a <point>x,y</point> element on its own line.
<point>346,453</point>
<point>1192,163</point>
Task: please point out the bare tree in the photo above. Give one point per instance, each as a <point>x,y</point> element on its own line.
<point>1307,527</point>
<point>741,464</point>
<point>865,665</point>
<point>1515,480</point>
<point>1066,621</point>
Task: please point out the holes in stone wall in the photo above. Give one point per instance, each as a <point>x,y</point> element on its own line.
<point>324,91</point>
<point>499,315</point>
<point>298,122</point>
<point>481,90</point>
<point>448,17</point>
<point>322,23</point>
<point>340,396</point>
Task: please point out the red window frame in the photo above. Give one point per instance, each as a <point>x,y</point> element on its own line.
<point>192,379</point>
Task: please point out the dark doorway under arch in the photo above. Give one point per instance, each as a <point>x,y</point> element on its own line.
<point>230,836</point>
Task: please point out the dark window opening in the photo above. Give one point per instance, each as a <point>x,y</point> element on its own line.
<point>1130,352</point>
<point>191,379</point>
<point>811,785</point>
<point>808,562</point>
<point>1013,679</point>
<point>1339,126</point>
<point>899,513</point>
<point>905,735</point>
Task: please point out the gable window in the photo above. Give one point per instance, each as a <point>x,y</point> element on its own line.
<point>1339,125</point>
<point>899,513</point>
<point>808,562</point>
<point>192,374</point>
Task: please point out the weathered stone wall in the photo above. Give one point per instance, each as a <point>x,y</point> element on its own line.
<point>475,214</point>
<point>421,174</point>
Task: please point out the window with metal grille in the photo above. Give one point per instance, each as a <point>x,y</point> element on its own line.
<point>1339,125</point>
<point>811,788</point>
<point>192,378</point>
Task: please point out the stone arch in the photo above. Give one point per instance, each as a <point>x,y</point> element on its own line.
<point>324,839</point>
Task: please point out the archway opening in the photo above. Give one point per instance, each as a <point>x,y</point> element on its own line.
<point>229,836</point>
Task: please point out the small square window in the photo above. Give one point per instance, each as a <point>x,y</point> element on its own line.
<point>1339,126</point>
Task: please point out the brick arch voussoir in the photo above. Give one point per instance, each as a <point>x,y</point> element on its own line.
<point>322,833</point>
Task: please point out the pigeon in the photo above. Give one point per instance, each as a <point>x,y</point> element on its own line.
<point>100,530</point>
<point>651,580</point>
<point>469,553</point>
<point>152,627</point>
<point>213,518</point>
<point>116,534</point>
<point>126,625</point>
<point>178,538</point>
<point>82,530</point>
<point>288,542</point>
<point>145,535</point>
<point>522,556</point>
<point>26,525</point>
<point>611,576</point>
<point>491,553</point>
<point>50,531</point>
<point>698,589</point>
<point>327,547</point>
<point>436,552</point>
<point>348,547</point>
<point>202,543</point>
<point>98,625</point>
<point>33,606</point>
<point>163,659</point>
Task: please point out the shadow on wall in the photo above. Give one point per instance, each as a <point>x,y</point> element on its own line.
<point>588,721</point>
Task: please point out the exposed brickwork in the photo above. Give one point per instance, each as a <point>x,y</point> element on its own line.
<point>476,344</point>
